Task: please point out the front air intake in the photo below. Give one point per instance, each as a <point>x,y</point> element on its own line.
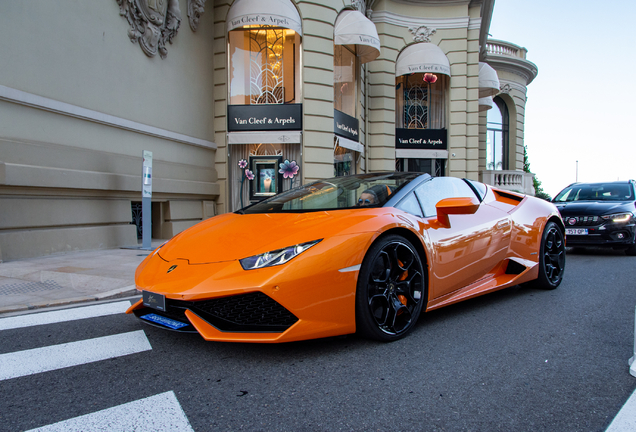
<point>252,312</point>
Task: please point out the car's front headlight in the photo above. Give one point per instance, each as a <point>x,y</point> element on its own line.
<point>618,217</point>
<point>275,257</point>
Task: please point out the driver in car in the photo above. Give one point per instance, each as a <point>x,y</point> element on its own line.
<point>374,195</point>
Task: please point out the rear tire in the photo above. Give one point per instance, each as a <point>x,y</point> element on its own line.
<point>391,290</point>
<point>551,258</point>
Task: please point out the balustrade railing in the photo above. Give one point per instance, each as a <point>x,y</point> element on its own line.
<point>496,47</point>
<point>516,181</point>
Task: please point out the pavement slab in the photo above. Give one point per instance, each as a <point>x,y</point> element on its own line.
<point>69,278</point>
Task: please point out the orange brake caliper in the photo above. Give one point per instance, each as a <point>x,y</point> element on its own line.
<point>401,278</point>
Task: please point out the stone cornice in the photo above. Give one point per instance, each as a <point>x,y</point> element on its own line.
<point>518,66</point>
<point>388,17</point>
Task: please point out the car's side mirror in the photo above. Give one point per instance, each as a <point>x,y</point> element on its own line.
<point>455,206</point>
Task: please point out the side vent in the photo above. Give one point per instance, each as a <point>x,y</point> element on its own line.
<point>514,268</point>
<point>508,198</point>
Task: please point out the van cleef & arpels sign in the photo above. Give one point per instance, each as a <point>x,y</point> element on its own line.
<point>241,118</point>
<point>345,125</point>
<point>428,139</point>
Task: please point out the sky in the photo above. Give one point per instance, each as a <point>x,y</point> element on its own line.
<point>581,105</point>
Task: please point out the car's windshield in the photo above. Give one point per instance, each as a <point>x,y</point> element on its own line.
<point>357,191</point>
<point>596,192</point>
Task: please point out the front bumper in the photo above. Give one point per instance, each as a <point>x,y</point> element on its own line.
<point>251,312</point>
<point>607,235</point>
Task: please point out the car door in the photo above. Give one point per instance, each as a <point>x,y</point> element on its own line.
<point>468,249</point>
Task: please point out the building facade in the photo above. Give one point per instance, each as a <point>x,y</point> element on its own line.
<point>238,100</point>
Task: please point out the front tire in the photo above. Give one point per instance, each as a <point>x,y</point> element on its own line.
<point>391,289</point>
<point>551,258</point>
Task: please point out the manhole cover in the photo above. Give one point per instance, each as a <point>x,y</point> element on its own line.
<point>28,287</point>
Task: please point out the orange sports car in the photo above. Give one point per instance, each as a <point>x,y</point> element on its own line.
<point>364,253</point>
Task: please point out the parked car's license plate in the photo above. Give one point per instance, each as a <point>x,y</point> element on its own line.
<point>154,300</point>
<point>167,322</point>
<point>576,231</point>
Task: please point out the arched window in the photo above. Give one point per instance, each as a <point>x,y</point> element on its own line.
<point>422,86</point>
<point>498,136</point>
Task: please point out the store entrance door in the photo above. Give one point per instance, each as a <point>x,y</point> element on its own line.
<point>434,167</point>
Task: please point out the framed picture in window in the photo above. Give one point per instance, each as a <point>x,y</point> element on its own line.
<point>267,180</point>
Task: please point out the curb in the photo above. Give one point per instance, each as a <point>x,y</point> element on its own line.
<point>126,291</point>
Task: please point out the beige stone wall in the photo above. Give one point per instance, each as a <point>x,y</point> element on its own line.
<point>79,104</point>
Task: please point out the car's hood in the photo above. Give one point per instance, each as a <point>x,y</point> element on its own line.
<point>594,208</point>
<point>234,236</point>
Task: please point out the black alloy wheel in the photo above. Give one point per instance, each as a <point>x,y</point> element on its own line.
<point>391,290</point>
<point>551,258</point>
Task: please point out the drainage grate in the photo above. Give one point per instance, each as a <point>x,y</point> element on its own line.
<point>28,287</point>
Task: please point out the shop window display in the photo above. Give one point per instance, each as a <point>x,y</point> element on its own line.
<point>421,101</point>
<point>263,67</point>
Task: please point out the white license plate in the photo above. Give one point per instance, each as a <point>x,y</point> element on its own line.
<point>576,231</point>
<point>155,301</point>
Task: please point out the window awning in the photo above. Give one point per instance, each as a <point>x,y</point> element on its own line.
<point>485,103</point>
<point>353,28</point>
<point>349,144</point>
<point>422,57</point>
<point>488,80</point>
<point>279,13</point>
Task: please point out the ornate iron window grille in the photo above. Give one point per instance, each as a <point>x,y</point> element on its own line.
<point>416,107</point>
<point>266,66</point>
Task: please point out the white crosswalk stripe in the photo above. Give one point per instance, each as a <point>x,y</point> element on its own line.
<point>37,360</point>
<point>63,315</point>
<point>161,412</point>
<point>154,413</point>
<point>625,420</point>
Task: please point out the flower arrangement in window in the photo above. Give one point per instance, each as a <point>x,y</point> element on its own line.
<point>288,169</point>
<point>430,78</point>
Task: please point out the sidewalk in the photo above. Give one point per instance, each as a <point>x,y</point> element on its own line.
<point>69,278</point>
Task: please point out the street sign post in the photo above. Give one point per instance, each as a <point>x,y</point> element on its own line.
<point>146,200</point>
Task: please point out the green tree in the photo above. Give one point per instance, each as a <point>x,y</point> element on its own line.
<point>538,190</point>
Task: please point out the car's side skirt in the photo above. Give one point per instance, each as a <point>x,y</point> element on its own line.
<point>493,281</point>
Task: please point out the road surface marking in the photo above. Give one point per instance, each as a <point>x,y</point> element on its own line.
<point>37,360</point>
<point>63,315</point>
<point>155,413</point>
<point>625,420</point>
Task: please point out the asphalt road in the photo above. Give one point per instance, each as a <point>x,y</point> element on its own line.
<point>515,360</point>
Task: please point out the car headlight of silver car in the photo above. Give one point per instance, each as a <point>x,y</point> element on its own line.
<point>275,257</point>
<point>618,217</point>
